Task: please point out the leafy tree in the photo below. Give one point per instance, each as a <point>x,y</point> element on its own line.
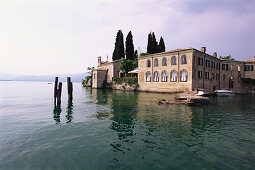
<point>118,52</point>
<point>127,65</point>
<point>229,57</point>
<point>129,46</point>
<point>90,70</point>
<point>161,45</point>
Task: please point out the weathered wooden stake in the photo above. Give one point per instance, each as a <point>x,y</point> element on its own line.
<point>55,90</point>
<point>69,89</point>
<point>59,94</point>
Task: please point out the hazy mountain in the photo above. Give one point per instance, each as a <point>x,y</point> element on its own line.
<point>46,78</point>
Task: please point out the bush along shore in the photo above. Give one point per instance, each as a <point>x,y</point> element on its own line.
<point>125,83</point>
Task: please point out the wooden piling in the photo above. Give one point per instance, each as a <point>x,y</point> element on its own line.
<point>59,91</point>
<point>69,89</point>
<point>55,90</point>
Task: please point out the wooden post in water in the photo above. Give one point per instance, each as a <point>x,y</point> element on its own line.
<point>55,90</point>
<point>59,94</point>
<point>69,89</point>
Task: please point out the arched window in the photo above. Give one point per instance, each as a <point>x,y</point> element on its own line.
<point>173,76</point>
<point>164,76</point>
<point>155,76</point>
<point>164,62</point>
<point>155,62</point>
<point>148,76</point>
<point>173,60</point>
<point>183,59</point>
<point>148,63</point>
<point>239,68</point>
<point>184,75</point>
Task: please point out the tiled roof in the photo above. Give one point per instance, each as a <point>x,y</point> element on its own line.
<point>251,60</point>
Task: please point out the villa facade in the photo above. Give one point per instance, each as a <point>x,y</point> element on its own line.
<point>190,69</point>
<point>104,72</point>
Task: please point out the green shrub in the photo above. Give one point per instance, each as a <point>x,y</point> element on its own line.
<point>85,82</point>
<point>129,80</point>
<point>144,54</point>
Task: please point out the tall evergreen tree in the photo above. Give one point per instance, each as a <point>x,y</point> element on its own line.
<point>135,55</point>
<point>129,46</point>
<point>161,45</point>
<point>154,44</point>
<point>118,52</point>
<point>150,44</point>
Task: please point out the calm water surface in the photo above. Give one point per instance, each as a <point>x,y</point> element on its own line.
<point>106,129</point>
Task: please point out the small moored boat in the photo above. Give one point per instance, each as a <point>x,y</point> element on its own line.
<point>224,92</point>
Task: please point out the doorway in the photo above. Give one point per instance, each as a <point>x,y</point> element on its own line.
<point>231,82</point>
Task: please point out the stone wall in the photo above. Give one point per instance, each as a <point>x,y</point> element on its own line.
<point>99,76</point>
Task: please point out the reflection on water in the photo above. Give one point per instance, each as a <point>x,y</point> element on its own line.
<point>69,111</point>
<point>56,113</point>
<point>191,127</point>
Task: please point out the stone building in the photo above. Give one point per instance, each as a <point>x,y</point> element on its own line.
<point>104,72</point>
<point>189,69</point>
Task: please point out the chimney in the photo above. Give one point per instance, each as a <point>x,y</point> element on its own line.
<point>99,61</point>
<point>215,54</point>
<point>203,49</point>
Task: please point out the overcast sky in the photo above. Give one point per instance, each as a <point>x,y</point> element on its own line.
<point>66,36</point>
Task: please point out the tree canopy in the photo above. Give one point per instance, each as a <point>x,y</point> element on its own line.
<point>153,46</point>
<point>119,52</point>
<point>229,57</point>
<point>129,46</point>
<point>127,65</point>
<point>161,45</point>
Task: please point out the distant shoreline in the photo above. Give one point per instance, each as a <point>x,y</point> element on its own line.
<point>6,80</point>
<point>37,81</point>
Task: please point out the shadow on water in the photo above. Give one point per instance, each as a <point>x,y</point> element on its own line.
<point>69,111</point>
<point>56,114</point>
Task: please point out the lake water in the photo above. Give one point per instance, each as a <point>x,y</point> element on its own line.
<point>105,129</point>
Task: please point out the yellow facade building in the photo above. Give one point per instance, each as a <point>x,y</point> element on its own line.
<point>190,69</point>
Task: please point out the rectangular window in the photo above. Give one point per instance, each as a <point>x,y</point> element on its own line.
<point>212,76</point>
<point>206,75</point>
<point>248,68</point>
<point>226,66</point>
<point>200,61</point>
<point>200,74</point>
<point>217,76</point>
<point>223,66</point>
<point>207,63</point>
<point>213,64</point>
<point>218,66</point>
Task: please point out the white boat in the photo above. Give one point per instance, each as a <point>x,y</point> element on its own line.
<point>224,92</point>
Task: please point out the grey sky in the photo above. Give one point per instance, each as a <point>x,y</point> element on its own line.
<point>66,36</point>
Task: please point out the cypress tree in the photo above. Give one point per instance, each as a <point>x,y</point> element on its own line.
<point>135,55</point>
<point>154,44</point>
<point>161,45</point>
<point>129,46</point>
<point>150,44</point>
<point>118,52</point>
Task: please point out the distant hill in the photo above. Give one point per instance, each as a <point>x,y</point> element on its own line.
<point>44,78</point>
